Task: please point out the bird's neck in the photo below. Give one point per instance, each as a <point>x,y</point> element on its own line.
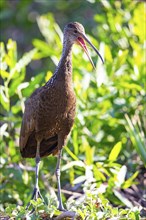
<point>64,69</point>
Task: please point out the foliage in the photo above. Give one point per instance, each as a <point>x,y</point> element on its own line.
<point>91,208</point>
<point>107,143</point>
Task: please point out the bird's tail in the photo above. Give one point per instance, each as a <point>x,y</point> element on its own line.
<point>47,147</point>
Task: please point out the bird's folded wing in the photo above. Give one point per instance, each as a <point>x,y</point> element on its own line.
<point>28,124</point>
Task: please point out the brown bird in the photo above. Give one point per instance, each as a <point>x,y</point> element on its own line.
<point>50,110</point>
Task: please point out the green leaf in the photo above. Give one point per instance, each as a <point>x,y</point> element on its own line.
<point>43,49</point>
<point>115,151</point>
<point>34,83</point>
<point>4,74</point>
<point>16,83</point>
<point>89,151</point>
<point>3,130</point>
<point>22,63</point>
<point>130,181</point>
<point>137,137</point>
<point>11,57</point>
<point>2,51</point>
<point>71,153</point>
<point>4,99</point>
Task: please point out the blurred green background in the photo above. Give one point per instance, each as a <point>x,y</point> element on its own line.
<point>107,143</point>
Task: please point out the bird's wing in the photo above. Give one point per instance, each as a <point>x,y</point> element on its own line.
<point>28,124</point>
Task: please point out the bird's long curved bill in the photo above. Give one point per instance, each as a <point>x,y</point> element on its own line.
<point>83,45</point>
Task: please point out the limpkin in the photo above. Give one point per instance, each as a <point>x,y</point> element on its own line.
<point>50,110</point>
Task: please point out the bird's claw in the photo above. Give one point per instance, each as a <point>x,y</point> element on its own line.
<point>35,195</point>
<point>61,208</point>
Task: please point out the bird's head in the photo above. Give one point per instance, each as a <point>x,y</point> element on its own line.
<point>75,33</point>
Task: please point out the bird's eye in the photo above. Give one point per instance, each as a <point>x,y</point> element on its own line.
<point>75,31</point>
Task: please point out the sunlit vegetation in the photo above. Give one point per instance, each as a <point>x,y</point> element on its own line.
<point>106,152</point>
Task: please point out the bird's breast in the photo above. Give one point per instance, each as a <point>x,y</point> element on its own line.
<point>56,108</point>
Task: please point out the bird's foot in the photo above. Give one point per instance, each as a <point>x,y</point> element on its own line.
<point>35,195</point>
<point>61,208</point>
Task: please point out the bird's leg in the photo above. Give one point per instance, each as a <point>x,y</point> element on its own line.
<point>36,189</point>
<point>60,207</point>
<point>36,192</point>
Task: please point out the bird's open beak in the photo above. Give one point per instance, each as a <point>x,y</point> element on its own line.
<point>83,45</point>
